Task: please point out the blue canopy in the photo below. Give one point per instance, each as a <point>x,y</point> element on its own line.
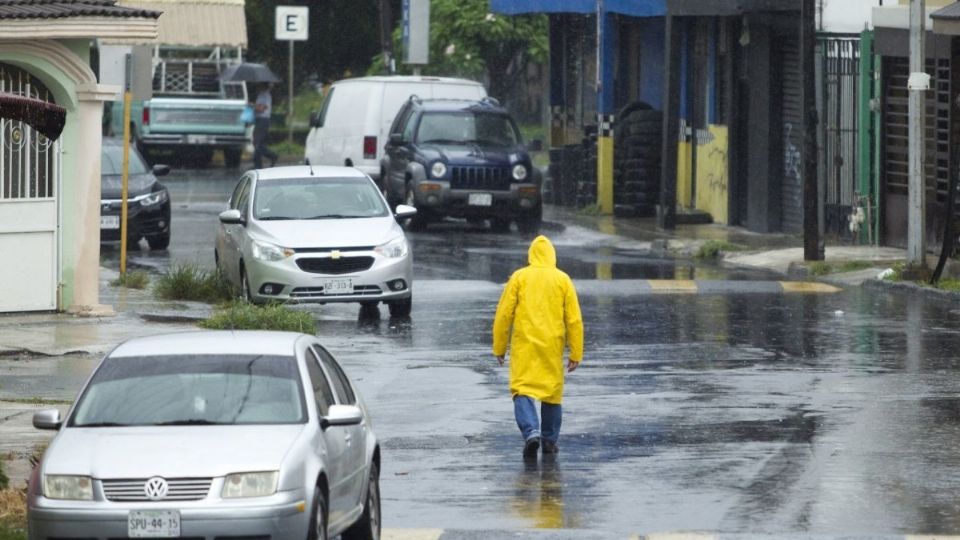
<point>634,8</point>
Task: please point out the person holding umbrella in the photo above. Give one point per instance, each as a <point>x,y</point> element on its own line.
<point>262,109</point>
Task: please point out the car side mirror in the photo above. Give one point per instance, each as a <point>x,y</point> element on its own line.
<point>161,170</point>
<point>396,139</point>
<point>403,211</point>
<point>535,145</point>
<point>315,120</point>
<point>342,415</point>
<point>47,419</point>
<point>231,217</point>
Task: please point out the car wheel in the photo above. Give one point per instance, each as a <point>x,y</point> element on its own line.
<point>419,221</point>
<point>318,517</point>
<point>245,286</point>
<point>231,157</point>
<point>368,526</point>
<point>401,308</point>
<point>133,244</point>
<point>160,241</point>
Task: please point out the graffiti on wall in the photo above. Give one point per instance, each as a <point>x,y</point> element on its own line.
<point>791,157</point>
<point>712,173</point>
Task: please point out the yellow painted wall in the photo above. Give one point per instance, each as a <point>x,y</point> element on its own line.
<point>712,180</point>
<point>684,163</point>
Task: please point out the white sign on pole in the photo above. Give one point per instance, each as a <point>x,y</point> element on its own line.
<point>292,23</point>
<point>416,31</point>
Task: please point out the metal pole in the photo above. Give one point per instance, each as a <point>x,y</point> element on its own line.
<point>813,249</point>
<point>667,212</point>
<point>290,95</point>
<point>916,248</point>
<point>125,164</point>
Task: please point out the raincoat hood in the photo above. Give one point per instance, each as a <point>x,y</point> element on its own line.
<point>541,253</point>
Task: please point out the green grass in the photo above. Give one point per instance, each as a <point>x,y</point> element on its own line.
<point>288,149</point>
<point>855,266</point>
<point>823,268</point>
<point>306,102</point>
<point>820,268</point>
<point>188,282</point>
<point>952,285</point>
<point>11,533</point>
<point>138,279</point>
<point>897,272</point>
<point>712,249</point>
<point>246,316</point>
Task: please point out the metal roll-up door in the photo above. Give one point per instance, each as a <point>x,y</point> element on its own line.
<point>792,118</point>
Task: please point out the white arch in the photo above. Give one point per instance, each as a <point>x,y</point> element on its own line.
<point>41,58</point>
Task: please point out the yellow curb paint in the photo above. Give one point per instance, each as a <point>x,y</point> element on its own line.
<point>410,534</point>
<point>673,285</point>
<point>808,287</point>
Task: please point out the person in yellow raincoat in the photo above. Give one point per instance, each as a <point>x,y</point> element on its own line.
<point>539,304</point>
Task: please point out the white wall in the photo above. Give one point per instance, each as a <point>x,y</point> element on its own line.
<point>848,16</point>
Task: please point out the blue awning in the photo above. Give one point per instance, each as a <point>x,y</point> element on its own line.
<point>634,8</point>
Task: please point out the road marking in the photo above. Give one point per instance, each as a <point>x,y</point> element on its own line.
<point>808,287</point>
<point>411,534</point>
<point>673,285</point>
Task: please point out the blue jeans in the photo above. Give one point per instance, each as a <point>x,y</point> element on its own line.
<point>525,409</point>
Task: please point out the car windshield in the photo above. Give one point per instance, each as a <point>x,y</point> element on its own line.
<point>112,160</point>
<point>317,198</point>
<point>192,390</point>
<point>467,127</point>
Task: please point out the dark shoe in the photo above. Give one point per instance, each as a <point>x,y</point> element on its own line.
<point>530,448</point>
<point>550,447</point>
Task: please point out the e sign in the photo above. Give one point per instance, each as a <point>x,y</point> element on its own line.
<point>292,23</point>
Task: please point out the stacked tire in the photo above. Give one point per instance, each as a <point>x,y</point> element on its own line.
<point>587,184</point>
<point>637,155</point>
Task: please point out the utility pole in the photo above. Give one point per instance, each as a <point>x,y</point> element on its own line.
<point>918,83</point>
<point>813,249</point>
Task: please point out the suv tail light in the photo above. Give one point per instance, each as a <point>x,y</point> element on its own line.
<point>146,116</point>
<point>369,147</point>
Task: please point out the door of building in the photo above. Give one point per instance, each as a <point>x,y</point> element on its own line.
<point>30,171</point>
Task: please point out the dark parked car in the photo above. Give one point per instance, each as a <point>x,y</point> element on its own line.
<point>148,202</point>
<point>461,158</point>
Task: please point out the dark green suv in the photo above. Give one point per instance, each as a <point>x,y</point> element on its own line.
<point>461,158</point>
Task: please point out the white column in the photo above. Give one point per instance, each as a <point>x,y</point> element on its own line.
<point>86,157</point>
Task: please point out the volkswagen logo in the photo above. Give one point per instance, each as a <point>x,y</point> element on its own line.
<point>155,489</point>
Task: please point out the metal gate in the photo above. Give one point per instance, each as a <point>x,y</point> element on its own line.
<point>839,59</point>
<point>30,170</point>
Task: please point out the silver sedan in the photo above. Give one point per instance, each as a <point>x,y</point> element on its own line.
<point>209,435</point>
<point>315,234</point>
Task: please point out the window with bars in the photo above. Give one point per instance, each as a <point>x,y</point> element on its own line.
<point>28,160</point>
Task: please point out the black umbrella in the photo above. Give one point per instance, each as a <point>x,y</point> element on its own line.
<point>249,72</point>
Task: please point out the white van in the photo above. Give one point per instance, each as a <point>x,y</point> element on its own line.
<point>352,124</point>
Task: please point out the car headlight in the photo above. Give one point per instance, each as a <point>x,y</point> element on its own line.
<point>393,249</point>
<point>153,199</point>
<point>68,488</point>
<point>256,484</point>
<point>519,172</point>
<point>438,170</point>
<point>269,252</point>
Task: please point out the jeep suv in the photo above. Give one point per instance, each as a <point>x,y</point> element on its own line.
<point>461,158</point>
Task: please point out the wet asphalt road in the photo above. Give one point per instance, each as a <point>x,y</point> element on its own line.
<point>737,413</point>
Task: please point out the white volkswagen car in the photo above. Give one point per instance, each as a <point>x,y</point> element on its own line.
<point>315,234</point>
<point>204,435</point>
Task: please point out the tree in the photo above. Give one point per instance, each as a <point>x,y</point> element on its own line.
<point>466,40</point>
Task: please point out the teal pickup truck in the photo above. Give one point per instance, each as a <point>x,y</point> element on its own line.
<point>192,113</point>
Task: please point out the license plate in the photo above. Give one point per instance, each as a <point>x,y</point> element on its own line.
<point>109,222</point>
<point>480,199</point>
<point>197,139</point>
<point>338,286</point>
<point>153,524</point>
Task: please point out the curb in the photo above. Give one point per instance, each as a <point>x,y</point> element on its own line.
<point>912,288</point>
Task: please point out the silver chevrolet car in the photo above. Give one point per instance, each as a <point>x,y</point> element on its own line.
<point>210,435</point>
<point>315,234</point>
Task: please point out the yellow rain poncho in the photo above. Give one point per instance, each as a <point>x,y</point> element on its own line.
<point>540,304</point>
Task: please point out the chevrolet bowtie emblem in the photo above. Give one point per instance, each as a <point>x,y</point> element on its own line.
<point>335,254</point>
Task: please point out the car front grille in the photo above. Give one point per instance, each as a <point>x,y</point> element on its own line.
<point>489,178</point>
<point>179,489</point>
<point>304,293</point>
<point>330,265</point>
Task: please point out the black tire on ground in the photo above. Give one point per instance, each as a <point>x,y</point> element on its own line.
<point>318,517</point>
<point>133,244</point>
<point>648,186</point>
<point>160,241</point>
<point>636,129</point>
<point>245,286</point>
<point>419,220</point>
<point>630,162</point>
<point>640,175</point>
<point>401,308</point>
<point>368,526</point>
<point>232,157</point>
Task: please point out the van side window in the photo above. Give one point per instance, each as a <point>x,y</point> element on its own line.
<point>322,115</point>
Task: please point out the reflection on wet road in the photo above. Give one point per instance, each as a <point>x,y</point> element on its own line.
<point>760,413</point>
